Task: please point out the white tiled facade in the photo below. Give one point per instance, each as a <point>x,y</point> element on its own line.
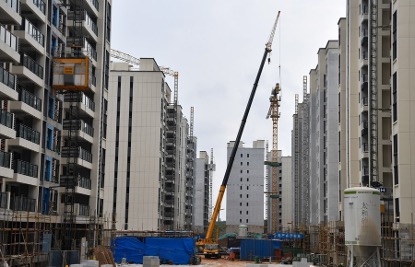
<point>245,189</point>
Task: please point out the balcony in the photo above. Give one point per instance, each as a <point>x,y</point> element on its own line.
<point>81,209</point>
<point>364,128</point>
<point>27,138</point>
<point>7,125</point>
<point>364,36</point>
<point>31,37</point>
<point>8,46</point>
<point>90,51</point>
<point>6,170</point>
<point>84,130</point>
<point>30,71</point>
<point>89,27</point>
<point>7,85</point>
<point>21,203</point>
<point>25,172</point>
<point>92,6</point>
<point>28,104</point>
<point>34,9</point>
<point>85,105</point>
<point>9,12</point>
<point>83,157</point>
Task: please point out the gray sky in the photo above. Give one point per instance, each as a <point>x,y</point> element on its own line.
<point>216,46</point>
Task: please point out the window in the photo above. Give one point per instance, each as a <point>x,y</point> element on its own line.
<point>394,35</point>
<point>240,220</point>
<point>247,179</point>
<point>395,159</point>
<point>247,155</point>
<point>397,213</point>
<point>240,187</point>
<point>247,187</point>
<point>247,171</point>
<point>247,212</point>
<point>247,204</point>
<point>241,163</point>
<point>241,179</point>
<point>247,164</point>
<point>240,212</point>
<point>241,171</point>
<point>240,195</point>
<point>240,203</point>
<point>395,97</point>
<point>246,220</point>
<point>242,155</point>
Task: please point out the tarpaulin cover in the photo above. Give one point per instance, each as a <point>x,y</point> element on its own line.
<point>174,250</point>
<point>130,248</point>
<point>169,250</point>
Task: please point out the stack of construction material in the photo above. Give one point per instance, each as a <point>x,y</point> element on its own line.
<point>151,261</point>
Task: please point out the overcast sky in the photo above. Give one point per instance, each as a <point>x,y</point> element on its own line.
<point>217,46</point>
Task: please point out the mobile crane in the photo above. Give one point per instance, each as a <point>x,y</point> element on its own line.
<point>210,248</point>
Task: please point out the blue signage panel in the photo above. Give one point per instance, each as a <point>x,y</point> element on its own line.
<point>288,236</point>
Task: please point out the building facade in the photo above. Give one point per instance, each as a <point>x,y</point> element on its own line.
<point>201,200</point>
<point>35,118</point>
<point>245,189</point>
<point>152,155</point>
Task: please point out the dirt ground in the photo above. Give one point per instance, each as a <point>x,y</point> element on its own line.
<point>222,262</point>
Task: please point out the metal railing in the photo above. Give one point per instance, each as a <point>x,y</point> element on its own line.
<point>27,133</point>
<point>14,4</point>
<point>41,5</point>
<point>34,67</point>
<point>3,199</point>
<point>84,183</point>
<point>82,98</point>
<point>36,34</point>
<point>20,203</point>
<point>8,38</point>
<point>6,118</point>
<point>90,51</point>
<point>25,168</point>
<point>78,152</point>
<point>30,99</point>
<point>7,78</point>
<point>5,159</point>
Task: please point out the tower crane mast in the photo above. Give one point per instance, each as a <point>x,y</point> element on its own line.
<point>274,114</point>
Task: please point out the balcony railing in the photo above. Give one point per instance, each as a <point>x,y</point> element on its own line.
<point>6,118</point>
<point>34,67</point>
<point>80,97</point>
<point>84,183</point>
<point>81,209</point>
<point>78,125</point>
<point>8,38</point>
<point>34,32</point>
<point>20,203</point>
<point>365,147</point>
<point>88,20</point>
<point>95,3</point>
<point>25,168</point>
<point>364,101</point>
<point>91,50</point>
<point>41,5</point>
<point>28,133</point>
<point>14,4</point>
<point>30,99</point>
<point>7,78</point>
<point>5,159</point>
<point>3,199</point>
<point>77,152</point>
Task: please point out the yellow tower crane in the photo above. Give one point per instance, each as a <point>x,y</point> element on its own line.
<point>274,114</point>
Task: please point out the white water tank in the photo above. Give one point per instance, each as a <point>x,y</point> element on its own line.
<point>243,230</point>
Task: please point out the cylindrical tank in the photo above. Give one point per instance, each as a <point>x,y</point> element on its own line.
<point>243,230</point>
<point>362,221</point>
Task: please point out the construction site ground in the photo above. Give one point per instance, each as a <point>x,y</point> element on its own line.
<point>222,262</point>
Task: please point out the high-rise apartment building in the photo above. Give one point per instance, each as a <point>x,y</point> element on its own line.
<point>35,147</point>
<point>202,202</point>
<point>324,136</point>
<point>286,206</point>
<point>151,159</point>
<point>245,189</point>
